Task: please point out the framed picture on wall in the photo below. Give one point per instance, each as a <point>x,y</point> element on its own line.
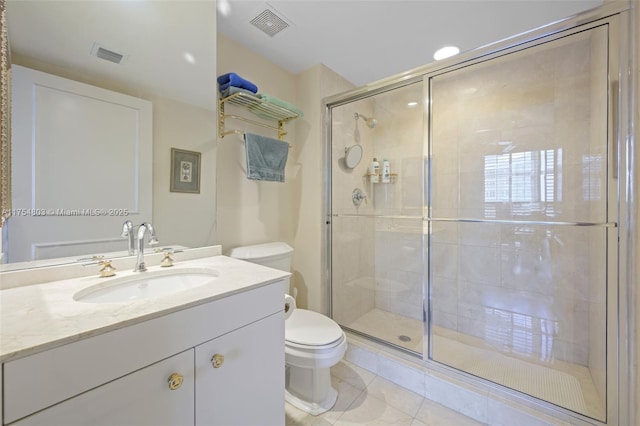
<point>185,171</point>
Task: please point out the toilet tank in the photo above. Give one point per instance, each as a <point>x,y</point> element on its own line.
<point>274,255</point>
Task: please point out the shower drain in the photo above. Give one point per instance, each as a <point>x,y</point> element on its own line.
<point>404,338</point>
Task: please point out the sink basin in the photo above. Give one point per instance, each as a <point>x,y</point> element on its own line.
<point>145,285</point>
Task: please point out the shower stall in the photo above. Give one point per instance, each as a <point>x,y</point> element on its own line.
<point>491,247</point>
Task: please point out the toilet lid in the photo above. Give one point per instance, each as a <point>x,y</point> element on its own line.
<point>311,328</point>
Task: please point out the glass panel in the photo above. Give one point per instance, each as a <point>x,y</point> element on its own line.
<point>518,141</point>
<point>524,137</point>
<point>377,274</point>
<point>524,306</point>
<point>377,278</point>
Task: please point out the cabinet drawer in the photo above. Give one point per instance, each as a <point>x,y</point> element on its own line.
<point>140,398</point>
<point>46,378</point>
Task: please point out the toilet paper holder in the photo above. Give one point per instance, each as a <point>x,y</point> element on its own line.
<point>289,305</point>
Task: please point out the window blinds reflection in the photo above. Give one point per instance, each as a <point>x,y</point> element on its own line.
<point>530,181</point>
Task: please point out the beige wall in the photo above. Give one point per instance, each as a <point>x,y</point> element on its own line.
<point>249,211</point>
<point>253,212</point>
<point>183,218</point>
<point>312,86</point>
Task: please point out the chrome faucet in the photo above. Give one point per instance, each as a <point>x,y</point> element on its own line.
<point>127,231</point>
<point>143,229</point>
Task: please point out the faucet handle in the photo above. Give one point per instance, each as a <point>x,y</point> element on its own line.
<point>357,196</point>
<point>107,270</point>
<point>167,260</point>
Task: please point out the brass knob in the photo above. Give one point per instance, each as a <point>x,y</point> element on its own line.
<point>167,260</point>
<point>217,360</point>
<point>107,270</point>
<point>175,381</point>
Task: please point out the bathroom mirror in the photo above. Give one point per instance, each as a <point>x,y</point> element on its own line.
<point>353,155</point>
<point>166,58</point>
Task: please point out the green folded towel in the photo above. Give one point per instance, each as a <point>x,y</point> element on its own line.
<point>281,103</point>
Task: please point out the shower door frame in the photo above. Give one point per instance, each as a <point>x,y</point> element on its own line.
<point>621,312</point>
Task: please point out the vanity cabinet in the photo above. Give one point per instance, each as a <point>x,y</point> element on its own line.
<point>140,398</point>
<point>123,376</point>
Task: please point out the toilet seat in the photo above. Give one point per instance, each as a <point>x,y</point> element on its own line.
<point>313,356</point>
<point>307,328</point>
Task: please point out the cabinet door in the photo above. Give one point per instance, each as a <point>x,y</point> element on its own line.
<point>139,398</point>
<point>248,387</point>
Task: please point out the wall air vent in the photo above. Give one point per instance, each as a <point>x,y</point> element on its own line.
<point>269,23</point>
<point>107,54</point>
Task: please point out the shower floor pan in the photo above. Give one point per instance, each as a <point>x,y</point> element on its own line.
<point>564,384</point>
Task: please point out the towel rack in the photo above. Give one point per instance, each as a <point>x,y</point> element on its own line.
<point>259,107</point>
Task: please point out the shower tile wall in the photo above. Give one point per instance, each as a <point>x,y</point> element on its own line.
<point>398,241</point>
<point>346,133</point>
<point>399,267</point>
<point>352,268</point>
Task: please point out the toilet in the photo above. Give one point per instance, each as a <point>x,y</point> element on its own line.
<point>313,342</point>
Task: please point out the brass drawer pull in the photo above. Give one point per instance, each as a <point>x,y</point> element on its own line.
<point>175,381</point>
<point>217,360</point>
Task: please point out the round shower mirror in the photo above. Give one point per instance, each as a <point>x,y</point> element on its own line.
<point>353,155</point>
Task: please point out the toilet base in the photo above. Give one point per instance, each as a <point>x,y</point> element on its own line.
<point>309,389</point>
<point>315,409</point>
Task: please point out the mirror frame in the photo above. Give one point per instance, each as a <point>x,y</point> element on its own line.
<point>5,118</point>
<point>353,156</point>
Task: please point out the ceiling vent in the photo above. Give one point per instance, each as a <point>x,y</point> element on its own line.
<point>108,55</point>
<point>269,23</point>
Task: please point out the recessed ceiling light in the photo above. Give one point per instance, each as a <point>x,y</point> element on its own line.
<point>412,104</point>
<point>446,52</point>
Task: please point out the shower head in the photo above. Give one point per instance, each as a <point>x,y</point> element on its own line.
<point>370,122</point>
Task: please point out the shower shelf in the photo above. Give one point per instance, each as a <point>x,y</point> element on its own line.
<point>393,176</point>
<point>259,107</point>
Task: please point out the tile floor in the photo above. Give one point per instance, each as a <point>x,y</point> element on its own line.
<point>367,399</point>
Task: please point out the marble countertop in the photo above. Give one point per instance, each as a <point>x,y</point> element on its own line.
<point>37,317</point>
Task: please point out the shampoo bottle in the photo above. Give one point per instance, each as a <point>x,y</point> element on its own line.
<point>374,171</point>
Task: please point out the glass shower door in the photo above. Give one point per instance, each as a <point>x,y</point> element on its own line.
<point>520,222</point>
<point>377,238</point>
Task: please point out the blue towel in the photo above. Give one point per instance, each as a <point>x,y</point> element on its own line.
<point>266,157</point>
<point>233,79</point>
